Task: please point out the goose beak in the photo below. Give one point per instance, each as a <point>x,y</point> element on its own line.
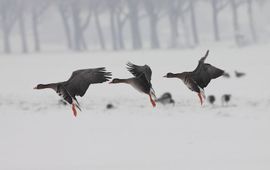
<point>35,88</point>
<point>110,82</point>
<point>165,76</point>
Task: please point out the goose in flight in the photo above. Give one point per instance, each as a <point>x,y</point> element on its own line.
<point>199,78</point>
<point>77,85</point>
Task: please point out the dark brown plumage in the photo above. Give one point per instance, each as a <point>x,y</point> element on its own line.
<point>77,84</point>
<point>198,79</point>
<point>141,80</point>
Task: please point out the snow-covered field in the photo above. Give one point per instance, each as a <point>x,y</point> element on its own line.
<point>36,133</point>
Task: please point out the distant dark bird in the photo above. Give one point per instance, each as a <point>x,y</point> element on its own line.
<point>77,85</point>
<point>141,81</point>
<point>225,98</point>
<point>211,99</point>
<point>198,79</point>
<point>239,74</point>
<point>109,106</point>
<point>166,98</point>
<point>226,75</point>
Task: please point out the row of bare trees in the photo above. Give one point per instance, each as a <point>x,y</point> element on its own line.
<point>125,20</point>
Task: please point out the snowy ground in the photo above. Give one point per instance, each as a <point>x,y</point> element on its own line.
<point>38,134</point>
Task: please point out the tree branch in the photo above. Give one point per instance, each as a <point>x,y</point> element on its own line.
<point>222,6</point>
<point>239,3</point>
<point>87,21</point>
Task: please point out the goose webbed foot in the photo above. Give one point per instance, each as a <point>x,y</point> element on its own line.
<point>201,95</point>
<point>74,109</point>
<point>152,101</point>
<point>201,98</point>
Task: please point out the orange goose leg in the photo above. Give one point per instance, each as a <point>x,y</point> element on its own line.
<point>200,96</point>
<point>74,110</point>
<point>152,101</point>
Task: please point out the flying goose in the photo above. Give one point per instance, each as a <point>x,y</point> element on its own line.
<point>77,85</point>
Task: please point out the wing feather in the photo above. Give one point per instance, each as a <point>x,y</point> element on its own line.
<point>140,71</point>
<point>201,61</point>
<point>80,80</point>
<point>206,73</point>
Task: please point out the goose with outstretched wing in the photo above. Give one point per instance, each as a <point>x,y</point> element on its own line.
<point>141,80</point>
<point>77,85</point>
<point>198,79</point>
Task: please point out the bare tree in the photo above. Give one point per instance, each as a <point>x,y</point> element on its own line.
<point>251,20</point>
<point>121,18</point>
<point>21,19</point>
<point>217,7</point>
<point>153,9</point>
<point>76,15</point>
<point>177,10</point>
<point>133,7</point>
<point>117,20</point>
<point>184,8</point>
<point>112,6</point>
<point>38,9</point>
<point>173,14</point>
<point>8,17</point>
<point>235,4</point>
<point>78,37</point>
<point>65,13</point>
<point>78,24</point>
<point>193,22</point>
<point>97,10</point>
<point>75,25</point>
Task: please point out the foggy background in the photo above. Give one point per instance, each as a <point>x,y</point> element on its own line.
<point>44,41</point>
<point>79,25</point>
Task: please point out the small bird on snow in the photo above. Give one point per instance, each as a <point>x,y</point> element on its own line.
<point>225,98</point>
<point>211,99</point>
<point>166,98</point>
<point>239,74</point>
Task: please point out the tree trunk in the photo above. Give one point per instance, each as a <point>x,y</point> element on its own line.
<point>153,22</point>
<point>120,32</point>
<point>6,32</point>
<point>77,28</point>
<point>174,30</point>
<point>235,20</point>
<point>6,35</point>
<point>134,24</point>
<point>99,31</point>
<point>194,24</point>
<point>251,21</point>
<point>215,20</point>
<point>35,30</point>
<point>66,27</point>
<point>153,31</point>
<point>186,31</point>
<point>113,30</point>
<point>23,33</point>
<point>83,42</point>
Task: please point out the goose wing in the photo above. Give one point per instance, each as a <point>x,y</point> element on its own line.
<point>201,61</point>
<point>80,80</point>
<point>140,71</point>
<point>205,74</point>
